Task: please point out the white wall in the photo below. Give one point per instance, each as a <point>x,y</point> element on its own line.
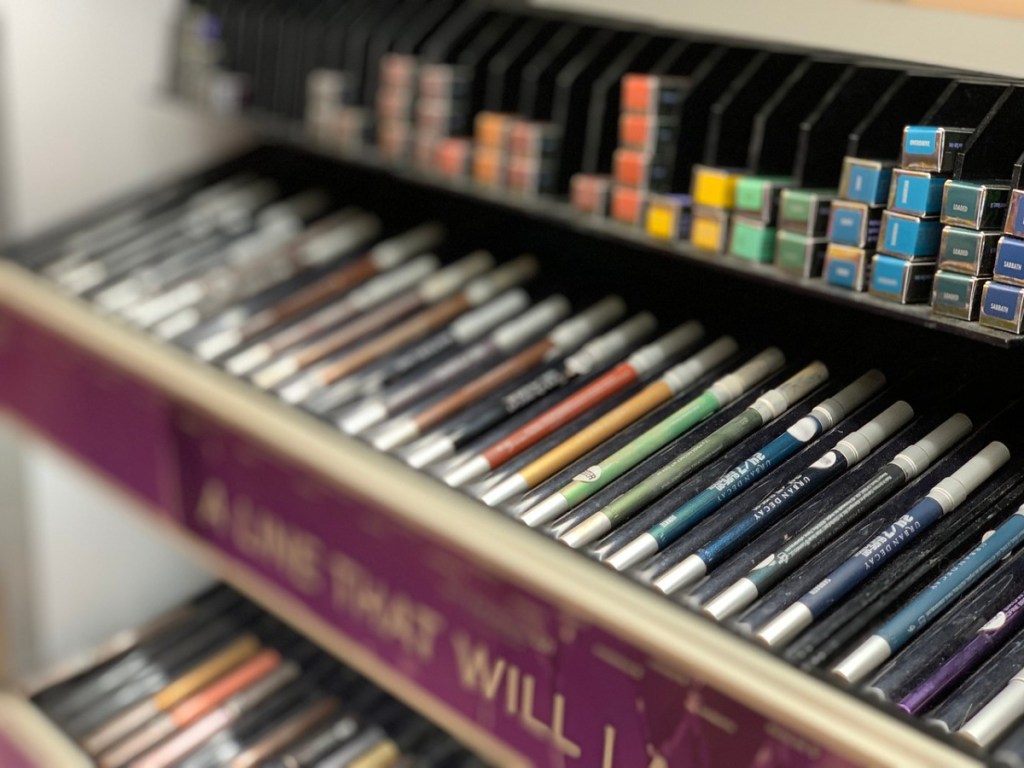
<point>874,27</point>
<point>82,118</point>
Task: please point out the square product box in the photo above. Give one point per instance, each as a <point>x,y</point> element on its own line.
<point>669,217</point>
<point>956,295</point>
<point>977,205</point>
<point>866,181</point>
<point>853,223</point>
<point>847,267</point>
<point>633,168</point>
<point>1009,264</point>
<point>918,193</point>
<point>968,251</point>
<point>627,205</point>
<point>909,237</point>
<point>906,282</point>
<point>798,254</point>
<point>1015,215</point>
<point>653,94</point>
<point>758,196</point>
<point>752,240</point>
<point>932,148</point>
<point>714,187</point>
<point>805,211</point>
<point>1002,307</point>
<point>709,229</point>
<point>648,133</point>
<point>590,193</point>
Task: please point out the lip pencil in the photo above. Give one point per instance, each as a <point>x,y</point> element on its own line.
<point>432,290</point>
<point>847,453</point>
<point>458,334</point>
<point>903,468</point>
<point>996,631</point>
<point>385,255</point>
<point>722,392</point>
<point>593,357</point>
<point>381,289</point>
<point>498,345</point>
<point>676,379</point>
<point>735,480</point>
<point>637,366</point>
<point>919,612</point>
<point>996,717</point>
<point>946,496</point>
<point>448,299</point>
<point>565,337</point>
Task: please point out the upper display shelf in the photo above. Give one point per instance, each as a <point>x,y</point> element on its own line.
<point>857,181</point>
<point>978,35</point>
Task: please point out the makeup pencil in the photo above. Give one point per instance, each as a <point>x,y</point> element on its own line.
<point>904,467</point>
<point>722,392</point>
<point>432,289</point>
<point>998,716</point>
<point>386,255</point>
<point>249,274</point>
<point>565,337</point>
<point>848,452</point>
<point>371,294</point>
<point>142,284</point>
<point>191,738</point>
<point>458,334</point>
<point>989,638</point>
<point>161,215</point>
<point>764,410</point>
<point>941,500</point>
<point>436,315</point>
<point>916,615</point>
<point>205,223</point>
<point>498,345</point>
<point>636,367</point>
<point>555,377</point>
<point>185,710</point>
<point>822,417</point>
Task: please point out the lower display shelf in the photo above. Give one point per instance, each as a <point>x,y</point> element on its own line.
<point>29,740</point>
<point>525,652</point>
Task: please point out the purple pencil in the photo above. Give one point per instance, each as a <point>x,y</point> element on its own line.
<point>994,633</point>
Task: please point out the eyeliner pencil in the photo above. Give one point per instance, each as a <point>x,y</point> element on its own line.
<point>562,377</point>
<point>912,618</point>
<point>434,288</point>
<point>434,316</point>
<point>847,453</point>
<point>565,337</point>
<point>903,468</point>
<point>636,367</point>
<point>940,500</point>
<point>496,346</point>
<point>385,255</point>
<point>458,334</point>
<point>722,392</point>
<point>735,480</point>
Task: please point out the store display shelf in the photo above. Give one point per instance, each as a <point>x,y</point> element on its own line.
<point>560,213</point>
<point>29,740</point>
<point>527,652</point>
